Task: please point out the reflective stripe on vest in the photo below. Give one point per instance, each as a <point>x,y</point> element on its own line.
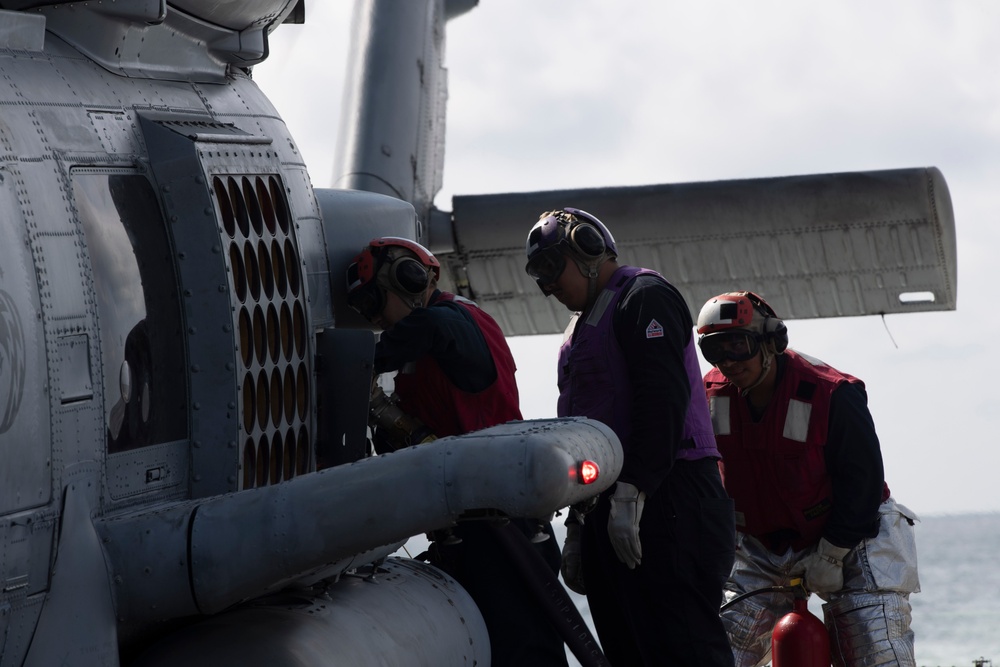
<point>774,469</point>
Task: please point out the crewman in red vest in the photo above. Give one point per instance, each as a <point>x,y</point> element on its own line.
<point>455,373</point>
<point>803,464</point>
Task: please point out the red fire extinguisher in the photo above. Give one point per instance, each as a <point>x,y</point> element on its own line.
<point>800,639</point>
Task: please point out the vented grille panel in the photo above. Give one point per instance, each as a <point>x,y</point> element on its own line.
<point>270,320</point>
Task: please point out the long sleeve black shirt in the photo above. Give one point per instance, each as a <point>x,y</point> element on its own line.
<point>661,391</point>
<point>446,331</point>
<point>853,458</point>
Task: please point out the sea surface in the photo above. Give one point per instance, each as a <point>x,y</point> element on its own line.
<point>956,615</point>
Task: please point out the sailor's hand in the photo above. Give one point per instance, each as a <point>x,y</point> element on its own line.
<point>572,564</point>
<point>823,570</point>
<point>623,524</point>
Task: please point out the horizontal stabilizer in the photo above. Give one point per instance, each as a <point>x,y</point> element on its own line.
<point>827,245</point>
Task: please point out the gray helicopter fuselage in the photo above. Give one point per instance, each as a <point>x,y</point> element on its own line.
<point>181,420</point>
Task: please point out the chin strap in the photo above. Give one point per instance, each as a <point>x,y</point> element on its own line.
<point>591,290</point>
<point>413,302</point>
<point>591,270</point>
<point>767,357</point>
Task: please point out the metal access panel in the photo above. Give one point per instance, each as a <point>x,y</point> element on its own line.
<point>25,429</point>
<point>345,377</point>
<point>245,301</point>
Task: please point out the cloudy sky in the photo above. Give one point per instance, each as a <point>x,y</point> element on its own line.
<point>548,94</point>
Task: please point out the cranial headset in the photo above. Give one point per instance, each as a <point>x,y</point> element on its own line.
<point>774,332</point>
<point>389,263</point>
<point>735,325</point>
<point>586,237</point>
<point>585,240</point>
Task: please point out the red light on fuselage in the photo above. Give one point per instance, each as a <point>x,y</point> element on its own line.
<point>587,472</point>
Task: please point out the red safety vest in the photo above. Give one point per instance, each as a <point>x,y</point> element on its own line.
<point>774,469</point>
<point>431,397</point>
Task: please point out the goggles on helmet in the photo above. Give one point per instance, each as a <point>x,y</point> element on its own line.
<point>366,298</point>
<point>363,291</point>
<point>546,266</point>
<point>729,346</point>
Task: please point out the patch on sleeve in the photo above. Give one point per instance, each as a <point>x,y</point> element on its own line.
<point>654,330</point>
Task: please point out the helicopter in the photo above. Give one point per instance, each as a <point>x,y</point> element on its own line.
<point>184,393</point>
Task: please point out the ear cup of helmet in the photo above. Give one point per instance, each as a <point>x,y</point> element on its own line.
<point>587,241</point>
<point>409,276</point>
<point>775,334</point>
<point>773,331</point>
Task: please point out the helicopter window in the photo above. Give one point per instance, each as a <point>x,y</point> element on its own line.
<point>142,348</point>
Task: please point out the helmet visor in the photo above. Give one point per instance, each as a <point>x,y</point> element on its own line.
<point>730,346</point>
<point>367,300</point>
<point>546,266</point>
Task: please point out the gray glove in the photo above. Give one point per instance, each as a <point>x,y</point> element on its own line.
<point>572,567</point>
<point>623,524</point>
<point>823,569</point>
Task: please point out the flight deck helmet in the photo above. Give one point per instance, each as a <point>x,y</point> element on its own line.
<point>736,325</point>
<point>567,231</point>
<point>392,264</point>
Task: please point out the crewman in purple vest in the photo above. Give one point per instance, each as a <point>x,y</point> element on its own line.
<point>455,373</point>
<point>653,554</point>
<point>803,464</point>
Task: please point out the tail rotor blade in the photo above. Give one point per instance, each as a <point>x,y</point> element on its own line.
<point>827,245</point>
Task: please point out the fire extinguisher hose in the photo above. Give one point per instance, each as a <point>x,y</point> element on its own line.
<point>551,596</point>
<point>794,586</point>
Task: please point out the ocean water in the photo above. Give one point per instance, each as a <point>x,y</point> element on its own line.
<point>956,615</point>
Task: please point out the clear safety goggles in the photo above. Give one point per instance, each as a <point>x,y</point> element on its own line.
<point>729,346</point>
<point>546,266</point>
<point>368,300</point>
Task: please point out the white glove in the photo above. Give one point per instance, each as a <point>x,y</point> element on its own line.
<point>623,524</point>
<point>823,569</point>
<point>572,568</point>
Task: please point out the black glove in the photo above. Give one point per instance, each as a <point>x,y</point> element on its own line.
<point>572,563</point>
